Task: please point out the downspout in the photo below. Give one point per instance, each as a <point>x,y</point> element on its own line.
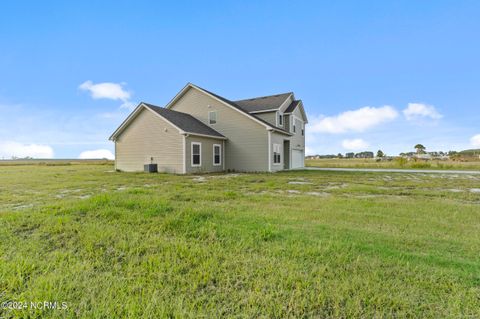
<point>115,162</point>
<point>269,150</point>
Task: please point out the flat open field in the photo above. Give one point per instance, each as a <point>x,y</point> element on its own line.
<point>371,163</point>
<point>291,244</point>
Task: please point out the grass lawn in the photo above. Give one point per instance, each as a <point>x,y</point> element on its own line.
<point>372,163</point>
<point>290,244</point>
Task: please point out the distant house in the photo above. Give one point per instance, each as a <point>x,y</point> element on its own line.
<point>364,155</point>
<point>200,131</point>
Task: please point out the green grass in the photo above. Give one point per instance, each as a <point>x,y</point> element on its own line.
<point>337,245</point>
<point>472,164</point>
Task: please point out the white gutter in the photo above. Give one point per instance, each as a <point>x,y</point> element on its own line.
<point>184,154</point>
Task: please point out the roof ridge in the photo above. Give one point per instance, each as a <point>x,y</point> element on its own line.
<point>265,96</point>
<point>169,110</point>
<point>164,108</point>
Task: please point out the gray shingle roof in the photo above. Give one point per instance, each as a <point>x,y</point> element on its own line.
<point>263,103</point>
<point>184,121</point>
<point>292,106</point>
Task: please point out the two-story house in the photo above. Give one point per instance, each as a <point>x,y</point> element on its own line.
<point>199,131</point>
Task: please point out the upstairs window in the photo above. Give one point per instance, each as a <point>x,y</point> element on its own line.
<point>196,154</point>
<point>280,119</point>
<point>212,117</point>
<point>276,154</point>
<point>217,154</point>
<point>300,124</point>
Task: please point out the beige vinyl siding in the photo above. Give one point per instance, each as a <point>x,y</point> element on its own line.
<point>277,138</point>
<point>286,122</point>
<point>148,136</point>
<point>206,163</point>
<point>246,147</point>
<point>269,117</point>
<point>297,140</point>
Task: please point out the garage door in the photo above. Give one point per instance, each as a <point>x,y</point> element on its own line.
<point>297,159</point>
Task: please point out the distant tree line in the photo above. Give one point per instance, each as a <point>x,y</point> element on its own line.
<point>420,152</point>
<point>365,154</point>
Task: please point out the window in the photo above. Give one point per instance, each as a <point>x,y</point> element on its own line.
<point>212,117</point>
<point>217,155</point>
<point>196,154</point>
<point>276,154</point>
<point>280,119</point>
<point>298,122</point>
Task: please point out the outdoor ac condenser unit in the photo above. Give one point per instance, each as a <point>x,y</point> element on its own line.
<point>150,168</point>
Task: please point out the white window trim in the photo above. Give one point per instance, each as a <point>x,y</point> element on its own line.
<point>220,154</point>
<point>216,117</point>
<point>191,154</point>
<point>279,152</point>
<point>278,118</point>
<point>223,154</point>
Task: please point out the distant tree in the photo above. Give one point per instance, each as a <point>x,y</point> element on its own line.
<point>350,155</point>
<point>340,155</point>
<point>420,148</point>
<point>380,153</point>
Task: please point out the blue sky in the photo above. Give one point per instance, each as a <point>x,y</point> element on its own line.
<point>357,65</point>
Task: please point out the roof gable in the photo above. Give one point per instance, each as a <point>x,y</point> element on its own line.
<point>185,123</point>
<point>293,106</point>
<point>227,102</point>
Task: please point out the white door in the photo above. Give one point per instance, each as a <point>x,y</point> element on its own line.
<point>297,159</point>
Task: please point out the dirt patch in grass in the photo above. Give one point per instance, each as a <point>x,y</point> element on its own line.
<point>300,183</point>
<point>321,194</point>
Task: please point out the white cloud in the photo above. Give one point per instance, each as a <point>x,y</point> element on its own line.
<point>354,144</point>
<point>14,149</point>
<point>416,111</point>
<point>96,154</point>
<point>475,140</point>
<point>109,90</point>
<point>105,90</point>
<point>354,121</point>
